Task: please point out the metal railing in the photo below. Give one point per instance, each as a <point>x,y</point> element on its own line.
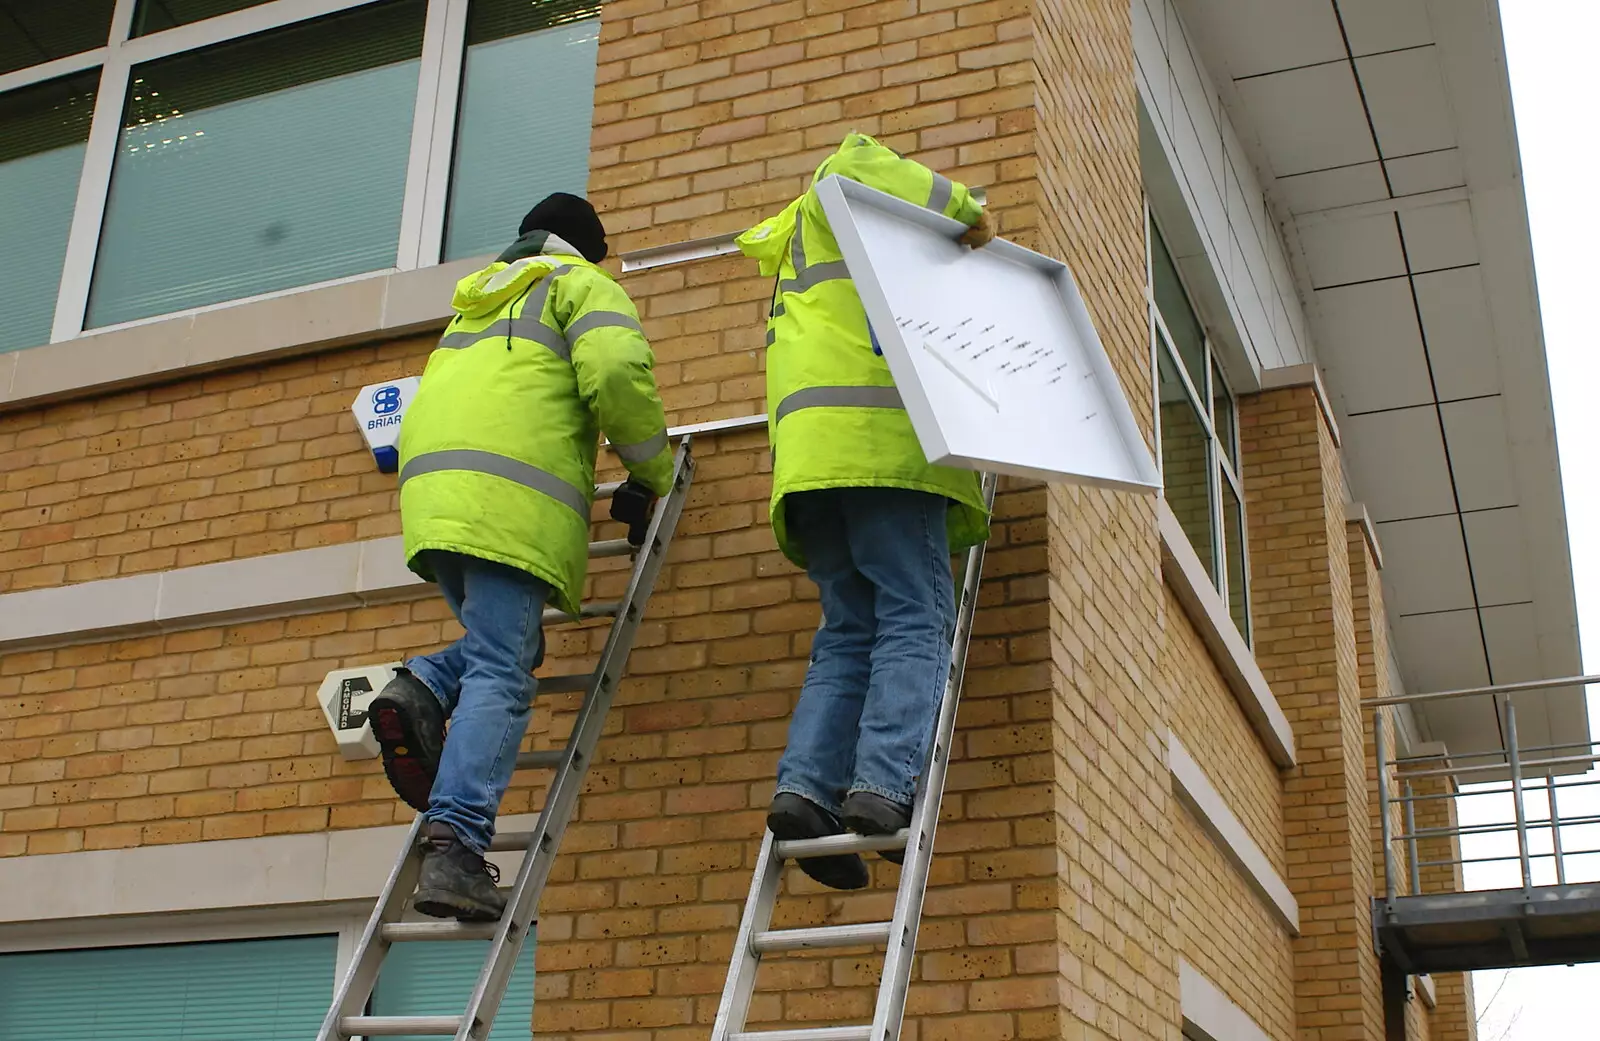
<point>1505,772</point>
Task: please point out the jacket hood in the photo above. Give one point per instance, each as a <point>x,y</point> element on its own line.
<point>768,241</point>
<point>529,259</point>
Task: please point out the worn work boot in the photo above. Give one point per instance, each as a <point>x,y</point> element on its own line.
<point>867,813</point>
<point>456,882</point>
<point>793,817</point>
<point>408,722</point>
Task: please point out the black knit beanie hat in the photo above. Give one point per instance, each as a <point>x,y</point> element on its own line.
<point>573,219</point>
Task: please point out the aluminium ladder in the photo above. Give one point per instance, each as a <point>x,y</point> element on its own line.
<point>346,1018</point>
<point>756,936</point>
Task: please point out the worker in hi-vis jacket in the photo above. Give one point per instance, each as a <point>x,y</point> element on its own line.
<point>856,503</point>
<point>497,454</point>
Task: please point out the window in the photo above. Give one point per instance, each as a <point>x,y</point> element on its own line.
<point>261,164</point>
<point>250,990</point>
<point>436,979</point>
<point>1197,420</point>
<point>34,32</point>
<point>155,15</point>
<point>188,153</point>
<point>43,130</point>
<point>536,59</point>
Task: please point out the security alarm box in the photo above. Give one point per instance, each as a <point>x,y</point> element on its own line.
<point>378,410</point>
<point>344,697</point>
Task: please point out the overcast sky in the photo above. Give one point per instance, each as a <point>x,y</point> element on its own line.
<point>1550,48</point>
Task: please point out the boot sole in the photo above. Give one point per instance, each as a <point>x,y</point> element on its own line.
<point>441,903</point>
<point>410,774</point>
<point>845,871</point>
<point>871,826</point>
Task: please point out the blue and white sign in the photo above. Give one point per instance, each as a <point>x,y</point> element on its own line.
<point>378,410</point>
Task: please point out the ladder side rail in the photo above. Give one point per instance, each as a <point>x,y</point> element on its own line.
<point>562,794</point>
<point>902,949</point>
<point>734,1008</point>
<point>361,976</point>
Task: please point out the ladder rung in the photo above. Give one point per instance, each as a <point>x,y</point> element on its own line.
<point>511,842</point>
<point>396,932</point>
<point>607,490</point>
<point>820,936</point>
<point>398,1026</point>
<point>555,616</point>
<point>860,1033</point>
<point>546,760</point>
<point>574,684</point>
<point>793,849</point>
<point>610,548</point>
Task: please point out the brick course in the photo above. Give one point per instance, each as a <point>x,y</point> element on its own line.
<point>1307,647</point>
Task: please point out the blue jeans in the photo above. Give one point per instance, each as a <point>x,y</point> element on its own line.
<point>485,683</point>
<point>881,560</point>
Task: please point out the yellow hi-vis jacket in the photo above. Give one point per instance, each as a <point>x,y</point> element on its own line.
<point>497,449</point>
<point>834,416</point>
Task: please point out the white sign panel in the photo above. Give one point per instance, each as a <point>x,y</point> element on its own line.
<point>378,410</point>
<point>992,349</point>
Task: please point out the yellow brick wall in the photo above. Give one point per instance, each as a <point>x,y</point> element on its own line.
<point>708,116</point>
<point>262,460</point>
<point>214,733</point>
<point>1306,645</point>
<point>1068,881</point>
<point>1229,934</point>
<point>1212,725</point>
<point>1117,921</point>
<point>1455,1018</point>
<point>1251,960</point>
<point>1372,648</point>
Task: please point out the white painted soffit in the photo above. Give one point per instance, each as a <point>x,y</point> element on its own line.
<point>1382,131</point>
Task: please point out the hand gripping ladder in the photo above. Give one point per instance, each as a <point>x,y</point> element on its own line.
<point>345,1018</point>
<point>756,935</point>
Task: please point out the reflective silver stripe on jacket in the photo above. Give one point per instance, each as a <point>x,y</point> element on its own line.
<point>522,327</point>
<point>806,276</point>
<point>525,326</point>
<point>839,397</point>
<point>473,460</point>
<point>642,451</point>
<point>601,320</point>
<point>939,197</point>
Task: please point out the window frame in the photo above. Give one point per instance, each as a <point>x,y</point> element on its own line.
<point>426,195</point>
<point>1220,466</point>
<point>344,918</point>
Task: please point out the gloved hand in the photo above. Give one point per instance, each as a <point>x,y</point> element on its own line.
<point>633,505</point>
<point>981,233</point>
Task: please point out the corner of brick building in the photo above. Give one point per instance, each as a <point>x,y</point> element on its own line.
<point>1118,933</point>
<point>1313,621</point>
<point>1453,1014</point>
<point>1454,1017</point>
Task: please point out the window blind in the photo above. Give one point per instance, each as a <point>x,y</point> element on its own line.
<point>42,134</point>
<point>248,990</point>
<point>527,102</point>
<point>261,164</point>
<point>436,979</point>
